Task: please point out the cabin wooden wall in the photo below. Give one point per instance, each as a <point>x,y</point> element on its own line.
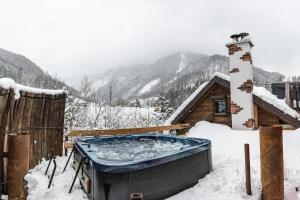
<point>266,119</point>
<point>204,109</point>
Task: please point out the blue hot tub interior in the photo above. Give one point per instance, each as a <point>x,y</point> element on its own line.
<point>186,147</point>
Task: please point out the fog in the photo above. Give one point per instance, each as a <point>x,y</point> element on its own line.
<point>71,38</point>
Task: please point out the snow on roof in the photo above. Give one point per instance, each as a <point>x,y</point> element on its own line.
<point>7,83</point>
<point>260,92</point>
<point>288,78</point>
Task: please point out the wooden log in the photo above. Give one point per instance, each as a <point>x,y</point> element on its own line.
<point>45,124</point>
<point>18,166</point>
<point>4,99</point>
<point>62,118</point>
<point>247,169</point>
<point>271,158</point>
<point>7,127</point>
<point>256,120</point>
<point>74,133</point>
<point>30,120</point>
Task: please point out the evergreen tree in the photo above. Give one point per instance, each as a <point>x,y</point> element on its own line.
<point>163,106</point>
<point>137,103</point>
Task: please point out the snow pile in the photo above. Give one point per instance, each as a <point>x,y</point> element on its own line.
<point>148,86</point>
<point>227,179</point>
<point>7,83</point>
<point>38,183</point>
<point>260,92</point>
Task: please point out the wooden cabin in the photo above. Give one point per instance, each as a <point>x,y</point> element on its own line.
<point>212,102</point>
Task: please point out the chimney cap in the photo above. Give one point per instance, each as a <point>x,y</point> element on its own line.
<point>243,39</point>
<point>243,35</point>
<point>235,37</point>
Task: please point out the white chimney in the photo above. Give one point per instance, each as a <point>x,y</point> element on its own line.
<point>241,81</point>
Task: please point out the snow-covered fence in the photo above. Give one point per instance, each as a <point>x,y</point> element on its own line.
<point>35,112</point>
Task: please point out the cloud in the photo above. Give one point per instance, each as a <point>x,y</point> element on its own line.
<point>71,38</point>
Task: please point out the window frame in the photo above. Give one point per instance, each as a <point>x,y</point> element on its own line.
<point>217,99</point>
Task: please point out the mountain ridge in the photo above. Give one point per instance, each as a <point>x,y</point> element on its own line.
<point>26,72</point>
<point>179,73</point>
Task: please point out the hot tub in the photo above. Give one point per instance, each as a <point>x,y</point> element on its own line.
<point>158,166</point>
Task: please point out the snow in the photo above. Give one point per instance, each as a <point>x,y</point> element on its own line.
<point>225,182</point>
<point>148,86</point>
<point>130,150</point>
<point>182,63</point>
<point>38,183</point>
<point>267,96</point>
<point>261,92</point>
<point>288,78</point>
<point>7,83</point>
<point>100,83</point>
<point>222,76</point>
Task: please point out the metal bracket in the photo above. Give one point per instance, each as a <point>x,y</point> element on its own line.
<point>53,172</point>
<point>51,158</point>
<point>77,171</point>
<point>73,149</point>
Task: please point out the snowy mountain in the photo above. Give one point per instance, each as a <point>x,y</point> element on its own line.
<point>176,75</point>
<point>25,72</point>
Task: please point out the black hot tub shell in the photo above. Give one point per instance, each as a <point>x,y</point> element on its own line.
<point>156,178</point>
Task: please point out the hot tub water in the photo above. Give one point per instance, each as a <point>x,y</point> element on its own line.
<point>130,150</point>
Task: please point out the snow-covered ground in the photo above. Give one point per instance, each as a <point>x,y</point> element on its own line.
<point>225,182</point>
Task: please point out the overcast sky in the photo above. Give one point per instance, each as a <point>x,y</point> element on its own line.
<point>70,38</point>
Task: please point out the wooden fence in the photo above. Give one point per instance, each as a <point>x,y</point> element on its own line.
<point>39,115</point>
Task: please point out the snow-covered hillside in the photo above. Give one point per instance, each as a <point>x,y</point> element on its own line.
<point>177,75</point>
<point>24,71</point>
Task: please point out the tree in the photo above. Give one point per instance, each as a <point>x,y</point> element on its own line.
<point>71,111</point>
<point>162,106</point>
<point>137,103</point>
<point>110,92</point>
<point>85,87</point>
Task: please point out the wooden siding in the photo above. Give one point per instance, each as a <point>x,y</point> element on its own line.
<point>204,109</point>
<point>266,119</point>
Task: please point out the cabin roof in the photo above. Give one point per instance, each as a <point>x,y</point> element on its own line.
<point>261,97</point>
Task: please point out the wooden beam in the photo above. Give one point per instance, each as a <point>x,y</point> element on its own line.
<point>256,122</point>
<point>68,145</point>
<point>75,133</point>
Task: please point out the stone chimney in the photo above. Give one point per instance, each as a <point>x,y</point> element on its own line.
<point>241,81</point>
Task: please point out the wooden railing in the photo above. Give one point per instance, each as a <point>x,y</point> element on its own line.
<point>125,131</point>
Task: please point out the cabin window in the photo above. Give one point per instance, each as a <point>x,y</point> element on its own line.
<point>220,106</point>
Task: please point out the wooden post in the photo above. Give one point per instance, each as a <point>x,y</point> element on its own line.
<point>136,196</point>
<point>247,169</point>
<point>287,93</point>
<point>271,158</point>
<point>18,159</point>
